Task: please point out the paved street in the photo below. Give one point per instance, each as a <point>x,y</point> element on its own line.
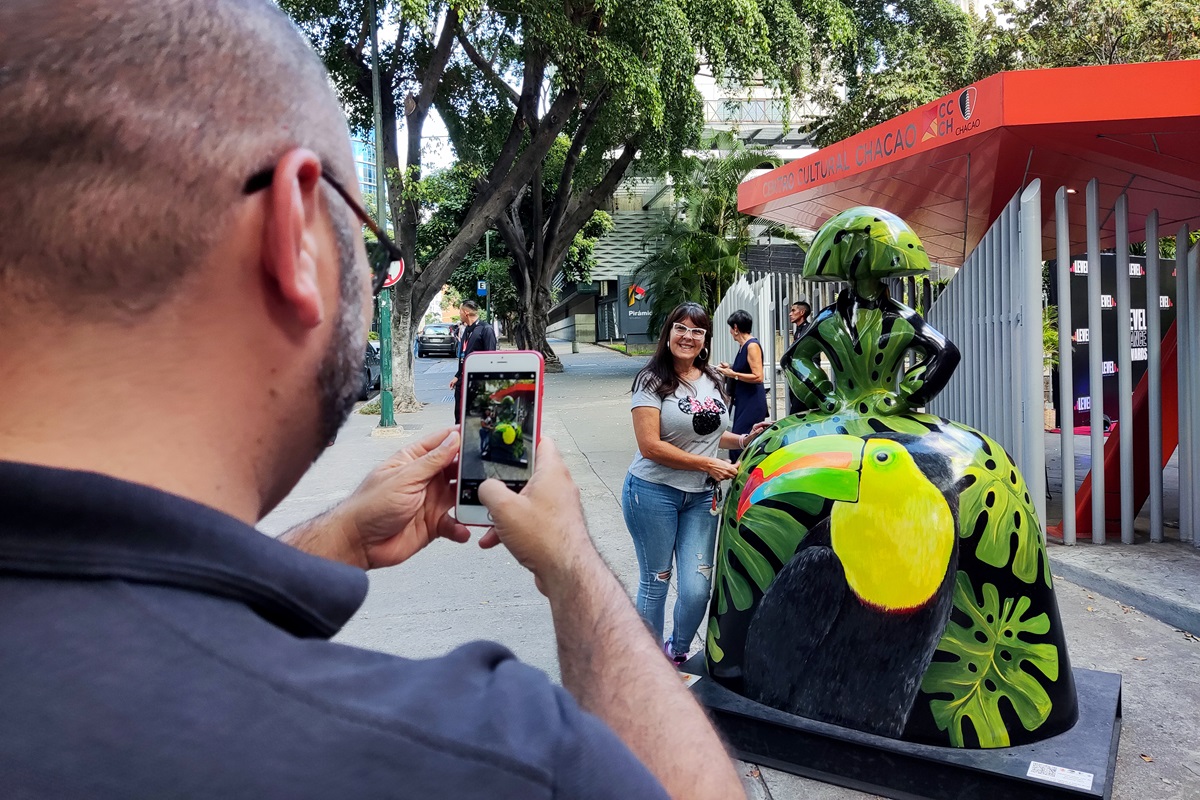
<point>450,594</point>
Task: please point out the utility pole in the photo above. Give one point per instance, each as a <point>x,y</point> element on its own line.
<point>387,412</point>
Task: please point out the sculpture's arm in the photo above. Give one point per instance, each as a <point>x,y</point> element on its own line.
<point>805,377</point>
<point>931,372</point>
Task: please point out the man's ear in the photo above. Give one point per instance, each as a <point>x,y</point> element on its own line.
<point>291,245</point>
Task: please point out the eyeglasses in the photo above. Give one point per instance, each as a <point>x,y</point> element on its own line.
<point>380,257</point>
<point>683,330</point>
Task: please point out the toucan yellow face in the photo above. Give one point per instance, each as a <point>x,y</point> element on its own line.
<point>890,527</point>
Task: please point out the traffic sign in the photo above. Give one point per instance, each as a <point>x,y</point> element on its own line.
<point>395,270</point>
<point>481,288</point>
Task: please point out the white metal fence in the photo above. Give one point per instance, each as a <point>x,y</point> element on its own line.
<point>992,311</point>
<point>756,300</point>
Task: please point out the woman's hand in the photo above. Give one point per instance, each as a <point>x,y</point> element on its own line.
<point>724,369</point>
<point>758,428</point>
<point>719,469</point>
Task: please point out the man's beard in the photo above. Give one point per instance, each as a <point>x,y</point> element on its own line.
<point>340,377</point>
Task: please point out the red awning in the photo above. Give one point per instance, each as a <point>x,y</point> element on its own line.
<point>949,167</point>
<point>517,389</point>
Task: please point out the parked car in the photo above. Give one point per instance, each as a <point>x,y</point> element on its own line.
<point>372,369</point>
<point>437,339</point>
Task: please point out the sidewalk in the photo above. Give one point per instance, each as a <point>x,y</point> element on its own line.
<point>450,594</point>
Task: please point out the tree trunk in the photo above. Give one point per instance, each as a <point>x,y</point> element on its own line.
<point>404,320</point>
<point>529,329</point>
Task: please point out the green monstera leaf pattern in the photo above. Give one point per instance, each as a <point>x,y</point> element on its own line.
<point>991,660</point>
<point>995,506</point>
<point>778,530</point>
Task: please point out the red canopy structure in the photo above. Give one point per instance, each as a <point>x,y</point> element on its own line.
<point>515,390</point>
<point>949,167</point>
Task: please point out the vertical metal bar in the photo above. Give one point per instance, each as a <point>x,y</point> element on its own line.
<point>1194,372</point>
<point>1066,390</point>
<point>1030,277</point>
<point>1183,330</point>
<point>1193,268</point>
<point>1124,370</point>
<point>1008,409</point>
<point>995,349</point>
<point>979,345</point>
<point>1191,394</point>
<point>1095,358</point>
<point>957,315</point>
<point>1154,375</point>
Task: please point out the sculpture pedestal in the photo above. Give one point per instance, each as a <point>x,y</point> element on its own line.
<point>1076,764</point>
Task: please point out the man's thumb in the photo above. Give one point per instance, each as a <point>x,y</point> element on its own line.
<point>436,459</point>
<point>497,497</point>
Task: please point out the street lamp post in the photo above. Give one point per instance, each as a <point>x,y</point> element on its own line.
<point>387,412</point>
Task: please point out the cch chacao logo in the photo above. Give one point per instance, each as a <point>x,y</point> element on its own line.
<point>966,102</point>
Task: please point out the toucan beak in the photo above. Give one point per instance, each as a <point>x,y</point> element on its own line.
<point>824,466</point>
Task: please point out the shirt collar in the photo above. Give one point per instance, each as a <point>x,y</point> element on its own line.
<point>67,524</point>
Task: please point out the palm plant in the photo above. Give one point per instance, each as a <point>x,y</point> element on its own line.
<point>698,249</point>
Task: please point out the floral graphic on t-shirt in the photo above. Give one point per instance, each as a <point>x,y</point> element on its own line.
<point>706,413</point>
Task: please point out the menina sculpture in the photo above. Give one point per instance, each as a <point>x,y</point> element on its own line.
<point>880,568</point>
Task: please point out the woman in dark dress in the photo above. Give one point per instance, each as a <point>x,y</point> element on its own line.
<point>749,396</point>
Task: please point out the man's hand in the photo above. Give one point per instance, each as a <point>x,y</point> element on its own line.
<point>401,506</point>
<point>542,526</point>
<point>454,382</point>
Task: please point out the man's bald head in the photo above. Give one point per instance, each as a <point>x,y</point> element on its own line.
<point>127,129</point>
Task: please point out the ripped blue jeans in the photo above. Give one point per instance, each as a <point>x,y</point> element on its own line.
<point>670,523</point>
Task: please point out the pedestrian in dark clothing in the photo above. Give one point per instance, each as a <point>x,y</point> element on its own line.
<point>798,314</point>
<point>486,424</point>
<point>153,643</point>
<point>477,337</point>
<point>749,396</point>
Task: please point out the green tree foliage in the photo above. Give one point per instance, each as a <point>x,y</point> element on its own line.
<point>698,249</point>
<point>893,58</point>
<point>887,58</point>
<point>1077,33</point>
<point>615,78</point>
<point>450,198</point>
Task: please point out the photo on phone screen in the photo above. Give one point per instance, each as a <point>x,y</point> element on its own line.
<point>498,430</point>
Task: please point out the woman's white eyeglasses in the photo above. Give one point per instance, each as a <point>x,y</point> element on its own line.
<point>684,330</point>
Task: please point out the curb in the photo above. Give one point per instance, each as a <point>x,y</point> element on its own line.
<point>1177,615</point>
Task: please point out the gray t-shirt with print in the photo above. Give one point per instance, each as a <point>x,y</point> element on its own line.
<point>693,420</point>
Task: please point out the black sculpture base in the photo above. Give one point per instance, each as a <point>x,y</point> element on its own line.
<point>1086,754</point>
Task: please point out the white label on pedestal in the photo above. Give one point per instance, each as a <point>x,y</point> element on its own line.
<point>1060,775</point>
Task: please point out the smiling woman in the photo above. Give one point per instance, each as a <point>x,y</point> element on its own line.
<point>680,417</point>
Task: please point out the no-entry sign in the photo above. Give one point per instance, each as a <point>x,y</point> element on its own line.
<point>395,270</point>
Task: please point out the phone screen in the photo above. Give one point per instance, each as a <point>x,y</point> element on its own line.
<point>498,429</point>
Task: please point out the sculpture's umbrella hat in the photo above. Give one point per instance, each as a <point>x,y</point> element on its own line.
<point>865,243</point>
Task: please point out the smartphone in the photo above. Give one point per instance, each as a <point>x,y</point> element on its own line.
<point>501,425</point>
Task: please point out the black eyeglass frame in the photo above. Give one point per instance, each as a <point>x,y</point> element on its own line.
<point>379,268</point>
